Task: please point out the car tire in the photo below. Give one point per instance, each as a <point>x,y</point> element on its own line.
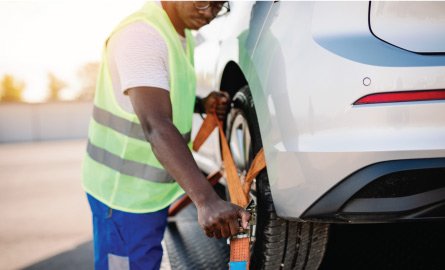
<point>280,244</point>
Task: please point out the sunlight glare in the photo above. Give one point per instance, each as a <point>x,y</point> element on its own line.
<point>55,36</point>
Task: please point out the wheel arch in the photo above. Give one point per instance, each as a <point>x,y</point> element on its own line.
<point>232,78</point>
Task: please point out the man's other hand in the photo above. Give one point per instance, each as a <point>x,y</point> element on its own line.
<point>217,102</point>
<point>222,219</point>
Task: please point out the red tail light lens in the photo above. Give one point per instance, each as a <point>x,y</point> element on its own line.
<point>403,96</point>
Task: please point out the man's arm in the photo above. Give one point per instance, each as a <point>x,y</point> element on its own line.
<point>153,107</point>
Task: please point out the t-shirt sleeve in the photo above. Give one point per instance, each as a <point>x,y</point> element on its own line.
<point>138,57</point>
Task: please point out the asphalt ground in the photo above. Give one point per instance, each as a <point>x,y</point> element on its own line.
<point>43,209</point>
<point>45,219</point>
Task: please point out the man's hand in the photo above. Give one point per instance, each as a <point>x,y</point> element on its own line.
<point>217,102</point>
<point>222,219</point>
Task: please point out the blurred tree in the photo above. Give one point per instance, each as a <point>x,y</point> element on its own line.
<point>88,75</point>
<point>11,89</point>
<point>55,85</point>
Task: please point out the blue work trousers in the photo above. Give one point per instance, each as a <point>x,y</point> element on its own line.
<point>125,240</point>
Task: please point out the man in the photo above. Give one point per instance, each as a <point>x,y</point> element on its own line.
<point>139,134</point>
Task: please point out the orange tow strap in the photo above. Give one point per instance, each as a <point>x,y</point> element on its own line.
<point>239,192</point>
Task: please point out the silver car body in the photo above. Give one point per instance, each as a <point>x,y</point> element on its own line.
<point>306,64</point>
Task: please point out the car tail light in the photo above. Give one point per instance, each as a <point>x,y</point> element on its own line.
<point>403,96</point>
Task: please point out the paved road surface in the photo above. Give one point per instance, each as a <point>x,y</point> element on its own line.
<point>45,219</point>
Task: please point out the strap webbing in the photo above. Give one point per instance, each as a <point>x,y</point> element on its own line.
<point>239,192</point>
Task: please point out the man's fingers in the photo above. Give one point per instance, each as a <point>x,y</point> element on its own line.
<point>234,227</point>
<point>223,100</point>
<point>225,94</point>
<point>245,217</point>
<point>223,97</point>
<point>217,233</point>
<point>221,109</point>
<point>209,233</point>
<point>225,230</point>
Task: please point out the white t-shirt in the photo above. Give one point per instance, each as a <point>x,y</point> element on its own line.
<point>138,56</point>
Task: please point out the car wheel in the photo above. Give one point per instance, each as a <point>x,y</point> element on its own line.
<point>280,244</point>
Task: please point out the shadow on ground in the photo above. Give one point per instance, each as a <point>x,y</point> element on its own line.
<point>81,257</point>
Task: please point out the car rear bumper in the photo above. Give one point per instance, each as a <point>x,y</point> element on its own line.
<point>389,191</point>
<point>365,186</point>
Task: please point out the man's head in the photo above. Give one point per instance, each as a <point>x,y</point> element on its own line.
<point>193,14</point>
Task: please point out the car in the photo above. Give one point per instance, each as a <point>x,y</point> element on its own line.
<point>347,99</point>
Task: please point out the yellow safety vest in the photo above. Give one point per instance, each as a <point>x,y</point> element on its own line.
<point>120,168</point>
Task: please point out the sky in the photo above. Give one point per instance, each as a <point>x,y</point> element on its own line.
<point>58,36</point>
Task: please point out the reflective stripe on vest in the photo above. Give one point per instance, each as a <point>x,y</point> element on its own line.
<point>122,125</point>
<point>128,167</point>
